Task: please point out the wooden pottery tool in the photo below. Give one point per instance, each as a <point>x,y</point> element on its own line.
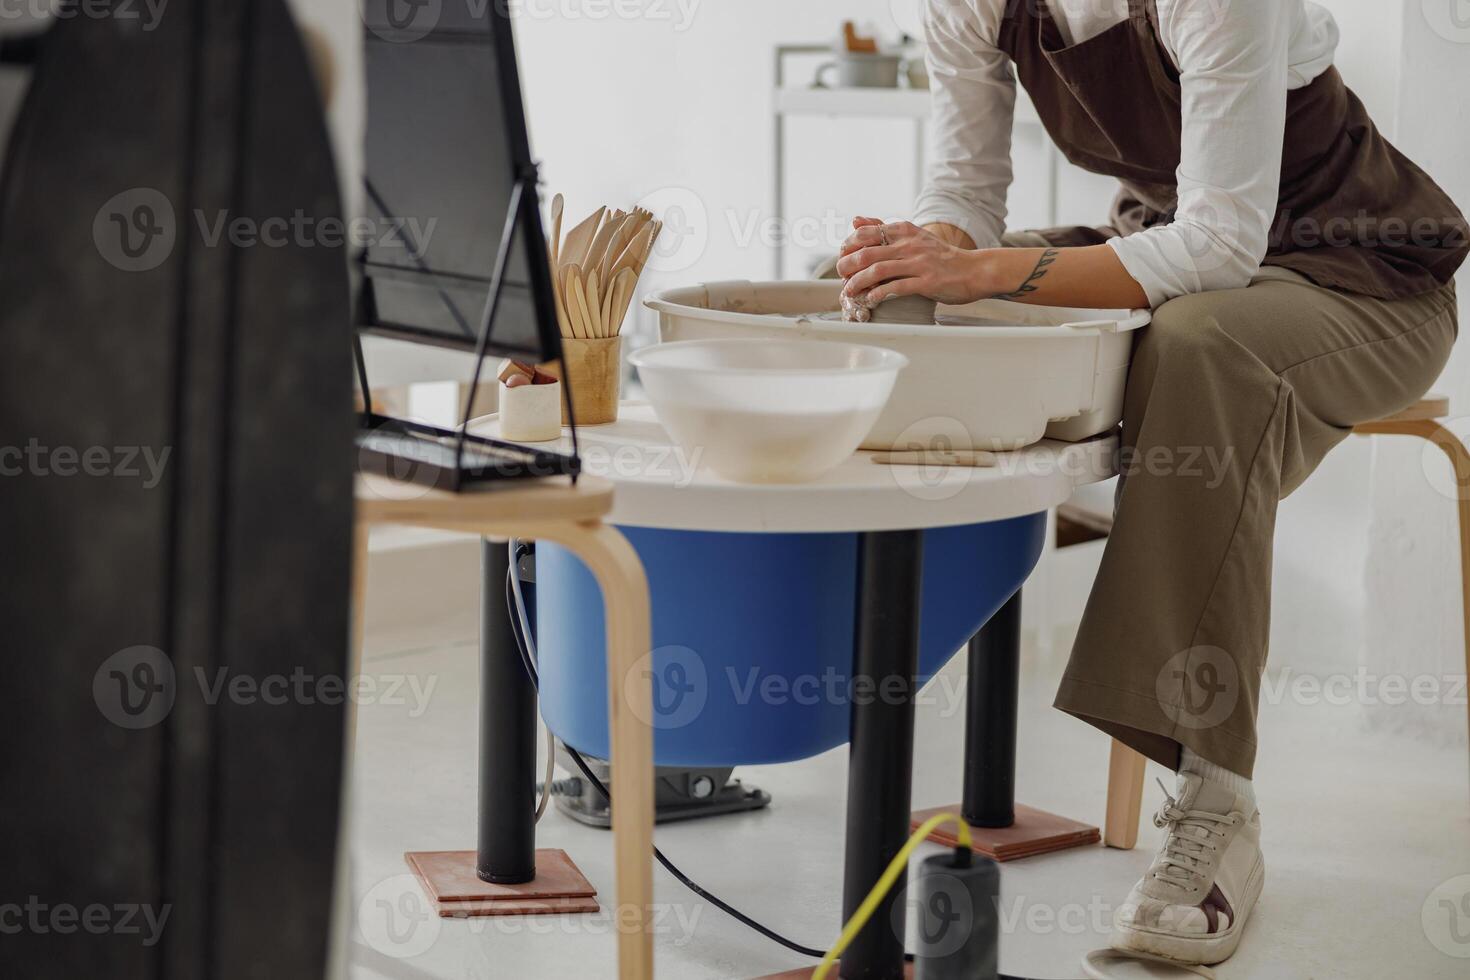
<point>594,304</point>
<point>558,204</point>
<point>558,293</point>
<point>639,245</point>
<point>657,227</point>
<point>579,239</point>
<point>577,302</point>
<point>609,308</point>
<point>855,42</point>
<point>623,284</point>
<point>595,252</point>
<point>626,230</point>
<point>936,457</point>
<point>518,372</point>
<point>517,369</point>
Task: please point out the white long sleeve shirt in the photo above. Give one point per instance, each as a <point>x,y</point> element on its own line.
<point>1237,60</point>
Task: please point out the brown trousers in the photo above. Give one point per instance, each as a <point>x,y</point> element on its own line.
<point>1233,399</point>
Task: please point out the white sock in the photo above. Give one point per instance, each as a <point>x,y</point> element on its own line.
<point>1189,761</point>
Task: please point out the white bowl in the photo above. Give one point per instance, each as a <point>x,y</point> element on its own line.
<point>768,411</point>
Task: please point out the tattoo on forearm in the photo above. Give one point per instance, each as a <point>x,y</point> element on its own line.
<point>1043,266</point>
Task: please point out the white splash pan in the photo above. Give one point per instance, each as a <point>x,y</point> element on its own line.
<point>1028,373</point>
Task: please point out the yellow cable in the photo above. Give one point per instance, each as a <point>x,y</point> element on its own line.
<point>890,875</point>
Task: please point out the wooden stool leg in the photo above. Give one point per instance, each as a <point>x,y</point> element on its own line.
<point>619,573</point>
<point>1450,443</point>
<point>1125,797</point>
<point>1460,460</point>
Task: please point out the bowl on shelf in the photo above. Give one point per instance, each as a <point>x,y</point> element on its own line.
<point>768,410</point>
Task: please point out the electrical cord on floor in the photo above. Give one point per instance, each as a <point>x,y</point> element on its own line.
<point>519,621</point>
<point>816,954</point>
<point>693,885</point>
<point>513,600</point>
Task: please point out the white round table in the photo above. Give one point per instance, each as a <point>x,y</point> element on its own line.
<point>659,485</point>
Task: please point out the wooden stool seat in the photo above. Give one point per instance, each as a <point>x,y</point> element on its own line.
<point>1429,407</point>
<point>1126,767</point>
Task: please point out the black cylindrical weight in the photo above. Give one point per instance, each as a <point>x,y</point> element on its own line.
<point>958,933</point>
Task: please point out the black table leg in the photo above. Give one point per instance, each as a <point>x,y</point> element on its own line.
<point>521,880</point>
<point>880,761</point>
<point>990,719</point>
<point>507,839</point>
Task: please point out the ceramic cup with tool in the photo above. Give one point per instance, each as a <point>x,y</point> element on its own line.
<point>595,271</point>
<point>530,404</point>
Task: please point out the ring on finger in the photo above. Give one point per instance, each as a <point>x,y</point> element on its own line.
<point>883,234</point>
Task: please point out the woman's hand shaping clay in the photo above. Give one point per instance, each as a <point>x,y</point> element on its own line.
<point>881,261</point>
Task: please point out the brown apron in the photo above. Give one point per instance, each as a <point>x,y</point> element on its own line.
<point>1354,213</point>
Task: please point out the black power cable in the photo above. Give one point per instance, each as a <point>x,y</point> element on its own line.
<point>523,646</point>
<point>690,883</point>
<point>518,628</point>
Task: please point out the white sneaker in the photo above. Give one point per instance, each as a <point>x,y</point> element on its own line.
<point>1193,904</point>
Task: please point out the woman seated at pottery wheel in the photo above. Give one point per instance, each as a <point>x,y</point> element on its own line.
<point>1299,268</point>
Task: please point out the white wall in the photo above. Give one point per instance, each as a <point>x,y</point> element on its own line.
<point>680,108</point>
<point>1318,622</point>
<point>1369,55</point>
<point>1412,565</point>
<point>1366,573</point>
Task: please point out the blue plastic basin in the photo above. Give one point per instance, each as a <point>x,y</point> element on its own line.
<point>753,634</point>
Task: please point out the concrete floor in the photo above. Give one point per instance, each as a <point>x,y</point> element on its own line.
<point>1360,828</point>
